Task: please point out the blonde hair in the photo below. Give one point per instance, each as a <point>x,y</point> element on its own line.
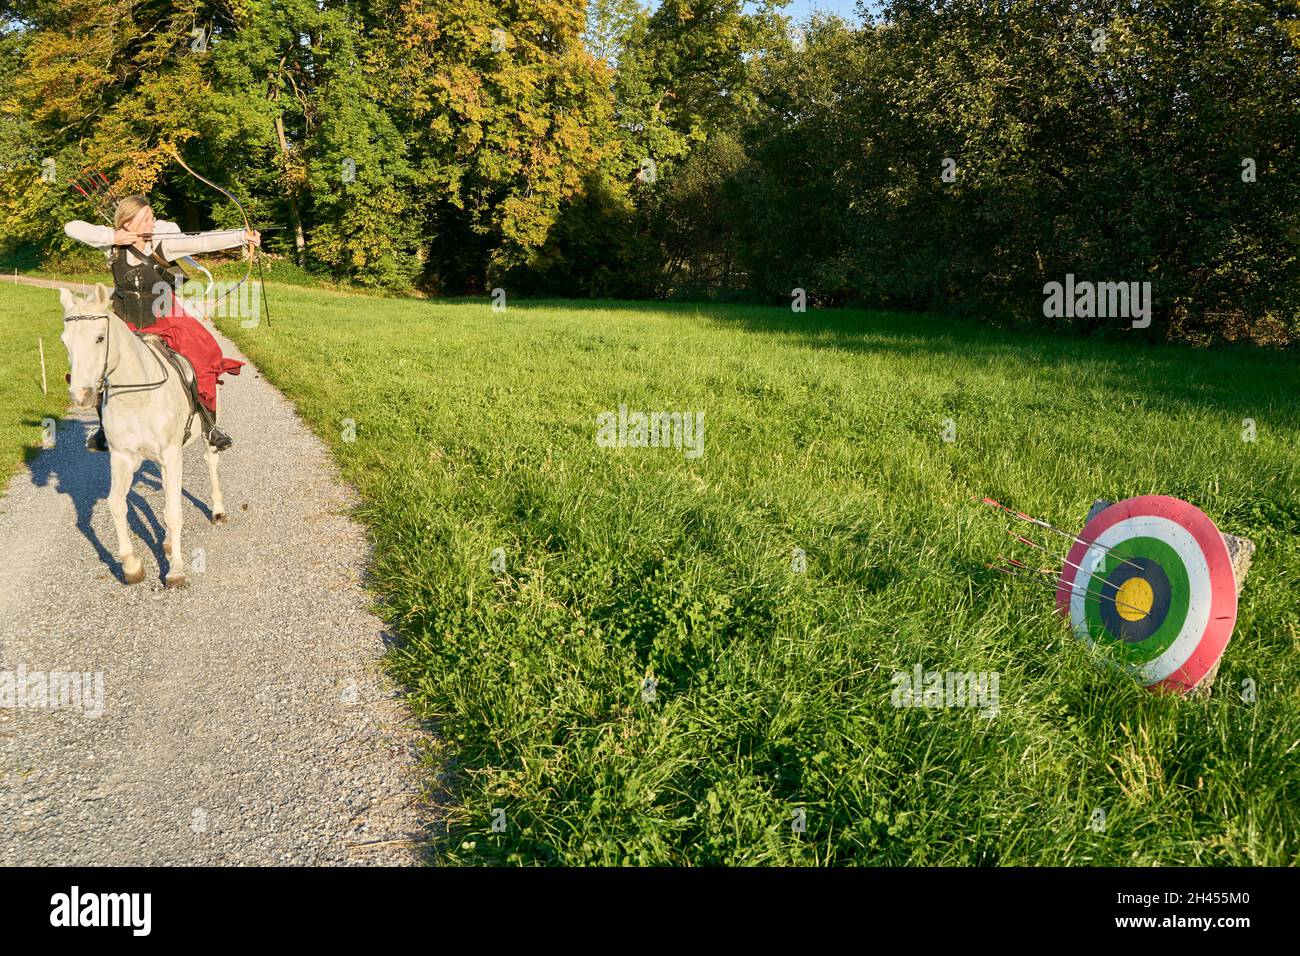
<point>127,208</point>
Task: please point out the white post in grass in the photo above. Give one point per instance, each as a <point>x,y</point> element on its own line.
<point>44,389</point>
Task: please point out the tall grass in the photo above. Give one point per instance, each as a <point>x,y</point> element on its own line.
<point>475,431</point>
<point>26,316</point>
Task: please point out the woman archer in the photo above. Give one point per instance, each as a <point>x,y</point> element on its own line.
<point>141,254</point>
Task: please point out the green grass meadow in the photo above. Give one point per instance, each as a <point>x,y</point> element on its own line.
<point>476,430</point>
<point>28,315</point>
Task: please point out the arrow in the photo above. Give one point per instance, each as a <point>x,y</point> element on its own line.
<point>1073,537</point>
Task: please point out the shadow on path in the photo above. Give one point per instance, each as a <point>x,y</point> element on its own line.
<point>84,477</point>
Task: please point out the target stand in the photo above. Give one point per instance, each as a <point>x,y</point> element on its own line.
<point>1155,583</point>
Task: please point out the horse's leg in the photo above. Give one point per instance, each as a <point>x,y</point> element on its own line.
<point>172,459</point>
<point>218,504</point>
<point>122,467</point>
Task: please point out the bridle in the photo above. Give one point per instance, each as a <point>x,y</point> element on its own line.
<point>104,383</point>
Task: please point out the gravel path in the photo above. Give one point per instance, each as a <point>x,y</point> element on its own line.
<point>245,719</point>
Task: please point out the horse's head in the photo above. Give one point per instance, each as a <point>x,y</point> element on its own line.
<point>85,335</point>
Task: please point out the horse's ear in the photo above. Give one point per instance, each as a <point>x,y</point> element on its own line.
<point>66,299</point>
<point>103,294</point>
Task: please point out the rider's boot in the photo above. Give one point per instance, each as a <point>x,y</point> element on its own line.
<point>218,439</point>
<point>215,437</point>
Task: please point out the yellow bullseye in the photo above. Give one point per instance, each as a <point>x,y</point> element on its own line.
<point>1134,600</point>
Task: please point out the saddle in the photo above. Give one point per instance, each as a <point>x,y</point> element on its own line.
<point>185,369</point>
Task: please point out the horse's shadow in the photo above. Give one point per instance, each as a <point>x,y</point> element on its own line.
<point>85,478</point>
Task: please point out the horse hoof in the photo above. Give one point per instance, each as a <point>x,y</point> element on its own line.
<point>220,519</point>
<point>133,575</point>
<point>176,581</point>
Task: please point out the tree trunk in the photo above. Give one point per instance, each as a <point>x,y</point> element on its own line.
<point>299,240</point>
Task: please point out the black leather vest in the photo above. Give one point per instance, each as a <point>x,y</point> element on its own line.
<point>135,287</point>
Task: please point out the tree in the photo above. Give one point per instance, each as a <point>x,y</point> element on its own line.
<point>973,150</point>
<point>509,115</point>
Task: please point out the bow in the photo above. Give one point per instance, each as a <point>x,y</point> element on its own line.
<point>247,228</point>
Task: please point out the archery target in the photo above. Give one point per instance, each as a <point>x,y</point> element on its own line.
<point>1151,580</point>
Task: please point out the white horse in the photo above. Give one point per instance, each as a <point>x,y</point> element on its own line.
<point>146,413</point>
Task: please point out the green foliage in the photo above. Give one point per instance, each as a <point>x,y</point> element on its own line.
<point>698,53</point>
<point>1119,164</point>
<point>359,173</point>
<point>696,217</point>
<point>609,25</point>
<point>508,116</point>
<point>596,249</point>
<point>449,136</point>
<point>691,149</point>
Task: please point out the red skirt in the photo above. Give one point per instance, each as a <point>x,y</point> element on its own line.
<point>185,334</point>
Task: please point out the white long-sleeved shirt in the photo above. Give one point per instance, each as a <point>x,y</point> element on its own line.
<point>185,244</point>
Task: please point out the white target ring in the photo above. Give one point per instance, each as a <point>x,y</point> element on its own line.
<point>1198,574</point>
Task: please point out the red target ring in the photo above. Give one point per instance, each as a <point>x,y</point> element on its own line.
<point>1151,579</point>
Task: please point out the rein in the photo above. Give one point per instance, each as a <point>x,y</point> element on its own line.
<point>107,387</point>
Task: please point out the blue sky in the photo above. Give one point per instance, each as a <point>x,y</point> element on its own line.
<point>799,9</point>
